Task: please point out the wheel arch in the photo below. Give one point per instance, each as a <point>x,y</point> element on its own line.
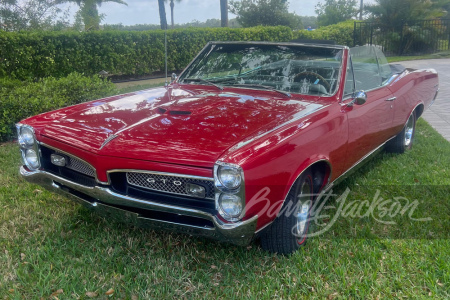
<point>419,110</point>
<point>321,170</point>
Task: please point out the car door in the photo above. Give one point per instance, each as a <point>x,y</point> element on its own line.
<point>369,124</point>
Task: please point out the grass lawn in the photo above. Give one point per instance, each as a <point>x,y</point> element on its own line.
<point>51,247</point>
<point>133,86</point>
<point>444,54</point>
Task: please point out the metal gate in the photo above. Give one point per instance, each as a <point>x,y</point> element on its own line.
<point>409,38</point>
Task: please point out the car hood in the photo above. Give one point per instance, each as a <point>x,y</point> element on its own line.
<point>173,125</point>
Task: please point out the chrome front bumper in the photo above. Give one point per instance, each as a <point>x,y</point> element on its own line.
<point>104,201</point>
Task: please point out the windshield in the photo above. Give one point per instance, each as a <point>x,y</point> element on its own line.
<point>297,69</point>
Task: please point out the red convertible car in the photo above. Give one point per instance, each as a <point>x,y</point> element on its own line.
<point>237,146</point>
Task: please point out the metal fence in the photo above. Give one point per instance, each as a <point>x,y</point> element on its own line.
<point>407,38</point>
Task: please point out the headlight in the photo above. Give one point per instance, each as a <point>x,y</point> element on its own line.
<point>230,191</point>
<point>229,176</point>
<point>32,158</point>
<point>26,136</point>
<point>28,146</point>
<point>231,205</point>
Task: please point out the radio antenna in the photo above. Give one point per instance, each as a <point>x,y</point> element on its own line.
<point>165,50</point>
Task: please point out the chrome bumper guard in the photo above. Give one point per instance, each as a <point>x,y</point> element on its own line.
<point>240,233</point>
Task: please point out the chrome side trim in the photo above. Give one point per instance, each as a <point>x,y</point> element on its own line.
<point>434,99</point>
<point>352,169</point>
<point>356,165</point>
<point>310,109</point>
<point>391,99</point>
<point>239,233</point>
<point>367,156</point>
<point>108,139</point>
<point>413,110</point>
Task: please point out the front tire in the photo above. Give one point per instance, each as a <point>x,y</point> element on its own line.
<point>289,230</point>
<point>404,140</point>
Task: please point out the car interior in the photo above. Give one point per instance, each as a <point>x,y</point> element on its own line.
<point>307,77</point>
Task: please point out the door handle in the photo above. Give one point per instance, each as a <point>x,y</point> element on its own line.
<point>391,99</point>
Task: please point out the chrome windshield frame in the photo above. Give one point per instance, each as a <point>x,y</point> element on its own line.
<point>339,77</point>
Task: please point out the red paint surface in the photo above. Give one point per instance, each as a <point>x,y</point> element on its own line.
<point>186,128</point>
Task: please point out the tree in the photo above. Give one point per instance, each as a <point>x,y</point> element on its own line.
<point>309,21</point>
<point>30,14</point>
<point>172,5</point>
<point>89,12</point>
<point>162,14</point>
<point>361,9</point>
<point>443,6</point>
<point>224,13</point>
<point>265,12</point>
<point>394,13</point>
<point>335,11</point>
<point>210,23</point>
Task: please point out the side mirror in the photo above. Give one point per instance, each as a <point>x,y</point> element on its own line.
<point>359,99</point>
<point>173,77</point>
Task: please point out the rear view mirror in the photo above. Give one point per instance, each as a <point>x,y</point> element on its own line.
<point>359,99</point>
<point>173,77</point>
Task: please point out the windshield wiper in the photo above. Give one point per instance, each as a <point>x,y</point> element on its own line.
<point>204,81</point>
<point>269,88</point>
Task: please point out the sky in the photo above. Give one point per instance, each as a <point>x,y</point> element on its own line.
<point>146,11</point>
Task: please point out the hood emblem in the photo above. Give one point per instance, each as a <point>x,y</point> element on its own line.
<point>109,139</point>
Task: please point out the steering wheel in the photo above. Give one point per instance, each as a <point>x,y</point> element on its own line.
<point>317,76</point>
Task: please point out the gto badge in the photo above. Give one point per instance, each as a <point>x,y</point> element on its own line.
<point>164,181</point>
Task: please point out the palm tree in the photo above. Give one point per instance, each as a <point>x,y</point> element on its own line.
<point>361,9</point>
<point>162,14</point>
<point>89,11</point>
<point>172,5</point>
<point>224,13</point>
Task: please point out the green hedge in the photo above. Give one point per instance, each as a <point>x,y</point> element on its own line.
<point>50,55</point>
<point>19,100</point>
<point>32,55</point>
<point>341,33</point>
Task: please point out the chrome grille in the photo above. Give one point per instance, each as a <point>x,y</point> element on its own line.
<point>78,165</point>
<point>168,183</point>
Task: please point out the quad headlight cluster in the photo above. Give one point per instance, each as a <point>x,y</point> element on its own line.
<point>230,191</point>
<point>28,146</point>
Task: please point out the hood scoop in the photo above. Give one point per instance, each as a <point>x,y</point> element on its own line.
<point>161,110</point>
<point>173,112</point>
<point>179,112</point>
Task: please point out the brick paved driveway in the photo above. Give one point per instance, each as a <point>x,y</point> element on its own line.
<point>438,115</point>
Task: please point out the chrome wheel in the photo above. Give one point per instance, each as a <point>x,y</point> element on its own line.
<point>304,205</point>
<point>404,140</point>
<point>288,232</point>
<point>409,131</point>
